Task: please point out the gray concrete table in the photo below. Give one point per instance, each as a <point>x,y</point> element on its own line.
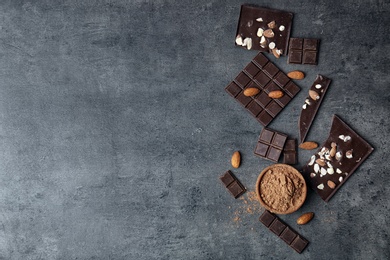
<point>115,127</point>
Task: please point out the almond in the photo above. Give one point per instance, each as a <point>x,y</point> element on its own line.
<point>314,95</point>
<point>236,159</point>
<point>321,162</point>
<point>305,218</point>
<point>268,33</point>
<point>276,94</point>
<point>276,53</point>
<point>296,74</point>
<point>331,184</point>
<point>308,145</point>
<point>251,92</point>
<point>271,25</point>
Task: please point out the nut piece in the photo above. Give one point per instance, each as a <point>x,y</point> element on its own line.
<point>339,156</point>
<point>276,94</point>
<point>313,157</point>
<point>308,145</point>
<point>321,162</point>
<point>271,45</point>
<point>314,95</point>
<point>269,33</point>
<point>321,186</point>
<point>248,43</point>
<point>263,42</point>
<point>260,32</point>
<point>348,154</point>
<point>236,159</point>
<point>271,24</point>
<point>281,28</point>
<point>331,184</point>
<point>259,19</point>
<point>276,52</point>
<point>305,218</point>
<point>296,74</point>
<point>333,151</point>
<point>239,40</point>
<point>249,92</point>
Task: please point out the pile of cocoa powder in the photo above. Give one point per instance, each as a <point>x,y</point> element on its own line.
<point>281,190</point>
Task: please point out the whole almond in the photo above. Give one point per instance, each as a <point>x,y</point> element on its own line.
<point>308,145</point>
<point>276,94</point>
<point>236,159</point>
<point>314,95</point>
<point>251,92</point>
<point>333,151</point>
<point>305,218</point>
<point>331,184</point>
<point>296,74</point>
<point>268,33</point>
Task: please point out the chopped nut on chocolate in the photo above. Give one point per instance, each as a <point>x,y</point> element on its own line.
<point>321,162</point>
<point>239,40</point>
<point>318,86</point>
<point>348,154</point>
<point>269,33</point>
<point>260,32</point>
<point>259,19</point>
<point>340,179</point>
<point>330,171</point>
<point>312,175</point>
<point>312,159</point>
<point>271,24</point>
<point>271,45</point>
<point>282,28</point>
<point>314,95</point>
<point>338,171</point>
<point>331,184</point>
<point>316,168</point>
<point>339,156</point>
<point>304,106</point>
<point>320,187</point>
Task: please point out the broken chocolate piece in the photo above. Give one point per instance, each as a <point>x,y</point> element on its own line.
<point>267,28</point>
<point>233,185</point>
<point>270,144</point>
<point>303,51</point>
<point>336,172</point>
<point>290,152</point>
<point>262,74</point>
<point>312,104</point>
<point>285,232</point>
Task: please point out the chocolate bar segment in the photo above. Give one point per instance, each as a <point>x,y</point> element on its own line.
<point>285,232</point>
<point>303,51</point>
<point>336,160</point>
<point>270,144</point>
<point>311,105</point>
<point>290,152</point>
<point>255,21</point>
<point>262,74</point>
<point>232,184</point>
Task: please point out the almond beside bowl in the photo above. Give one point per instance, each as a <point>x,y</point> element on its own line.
<point>281,189</point>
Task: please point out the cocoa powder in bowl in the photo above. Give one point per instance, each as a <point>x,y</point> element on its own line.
<point>281,189</point>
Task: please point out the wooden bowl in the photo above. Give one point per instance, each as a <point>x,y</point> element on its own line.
<point>281,189</point>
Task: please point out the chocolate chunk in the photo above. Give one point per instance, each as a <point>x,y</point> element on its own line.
<point>278,23</point>
<point>270,144</point>
<point>285,232</point>
<point>262,74</point>
<point>233,185</point>
<point>303,51</point>
<point>339,167</point>
<point>290,152</point>
<point>311,106</point>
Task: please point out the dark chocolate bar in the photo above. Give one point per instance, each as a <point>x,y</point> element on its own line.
<point>312,103</point>
<point>264,29</point>
<point>262,74</point>
<point>290,152</point>
<point>341,154</point>
<point>285,232</point>
<point>233,185</point>
<point>303,51</point>
<point>270,144</point>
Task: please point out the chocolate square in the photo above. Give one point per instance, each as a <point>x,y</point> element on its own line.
<point>227,178</point>
<point>266,218</point>
<point>273,108</point>
<point>283,101</point>
<point>243,100</point>
<point>242,80</point>
<point>274,154</point>
<point>296,43</point>
<point>277,226</point>
<point>281,79</point>
<point>261,149</point>
<point>291,89</point>
<point>254,108</point>
<point>270,69</point>
<point>295,57</point>
<point>262,79</point>
<point>271,87</point>
<point>279,140</point>
<point>266,136</point>
<point>264,118</point>
<point>251,69</point>
<point>299,244</point>
<point>249,22</point>
<point>288,235</point>
<point>260,61</point>
<point>289,152</point>
<point>263,99</point>
<point>233,89</point>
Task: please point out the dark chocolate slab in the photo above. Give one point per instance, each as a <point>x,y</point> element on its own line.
<point>285,232</point>
<point>346,139</point>
<point>232,184</point>
<point>261,73</point>
<point>310,106</point>
<point>303,51</point>
<point>253,17</point>
<point>270,144</point>
<point>290,152</point>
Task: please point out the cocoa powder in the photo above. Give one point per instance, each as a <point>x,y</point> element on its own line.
<point>281,190</point>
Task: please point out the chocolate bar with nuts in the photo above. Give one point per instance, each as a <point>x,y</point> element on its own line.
<point>264,29</point>
<point>282,230</point>
<point>311,105</point>
<point>232,184</point>
<point>335,161</point>
<point>263,75</point>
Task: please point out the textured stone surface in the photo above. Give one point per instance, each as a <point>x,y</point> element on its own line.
<point>115,127</point>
